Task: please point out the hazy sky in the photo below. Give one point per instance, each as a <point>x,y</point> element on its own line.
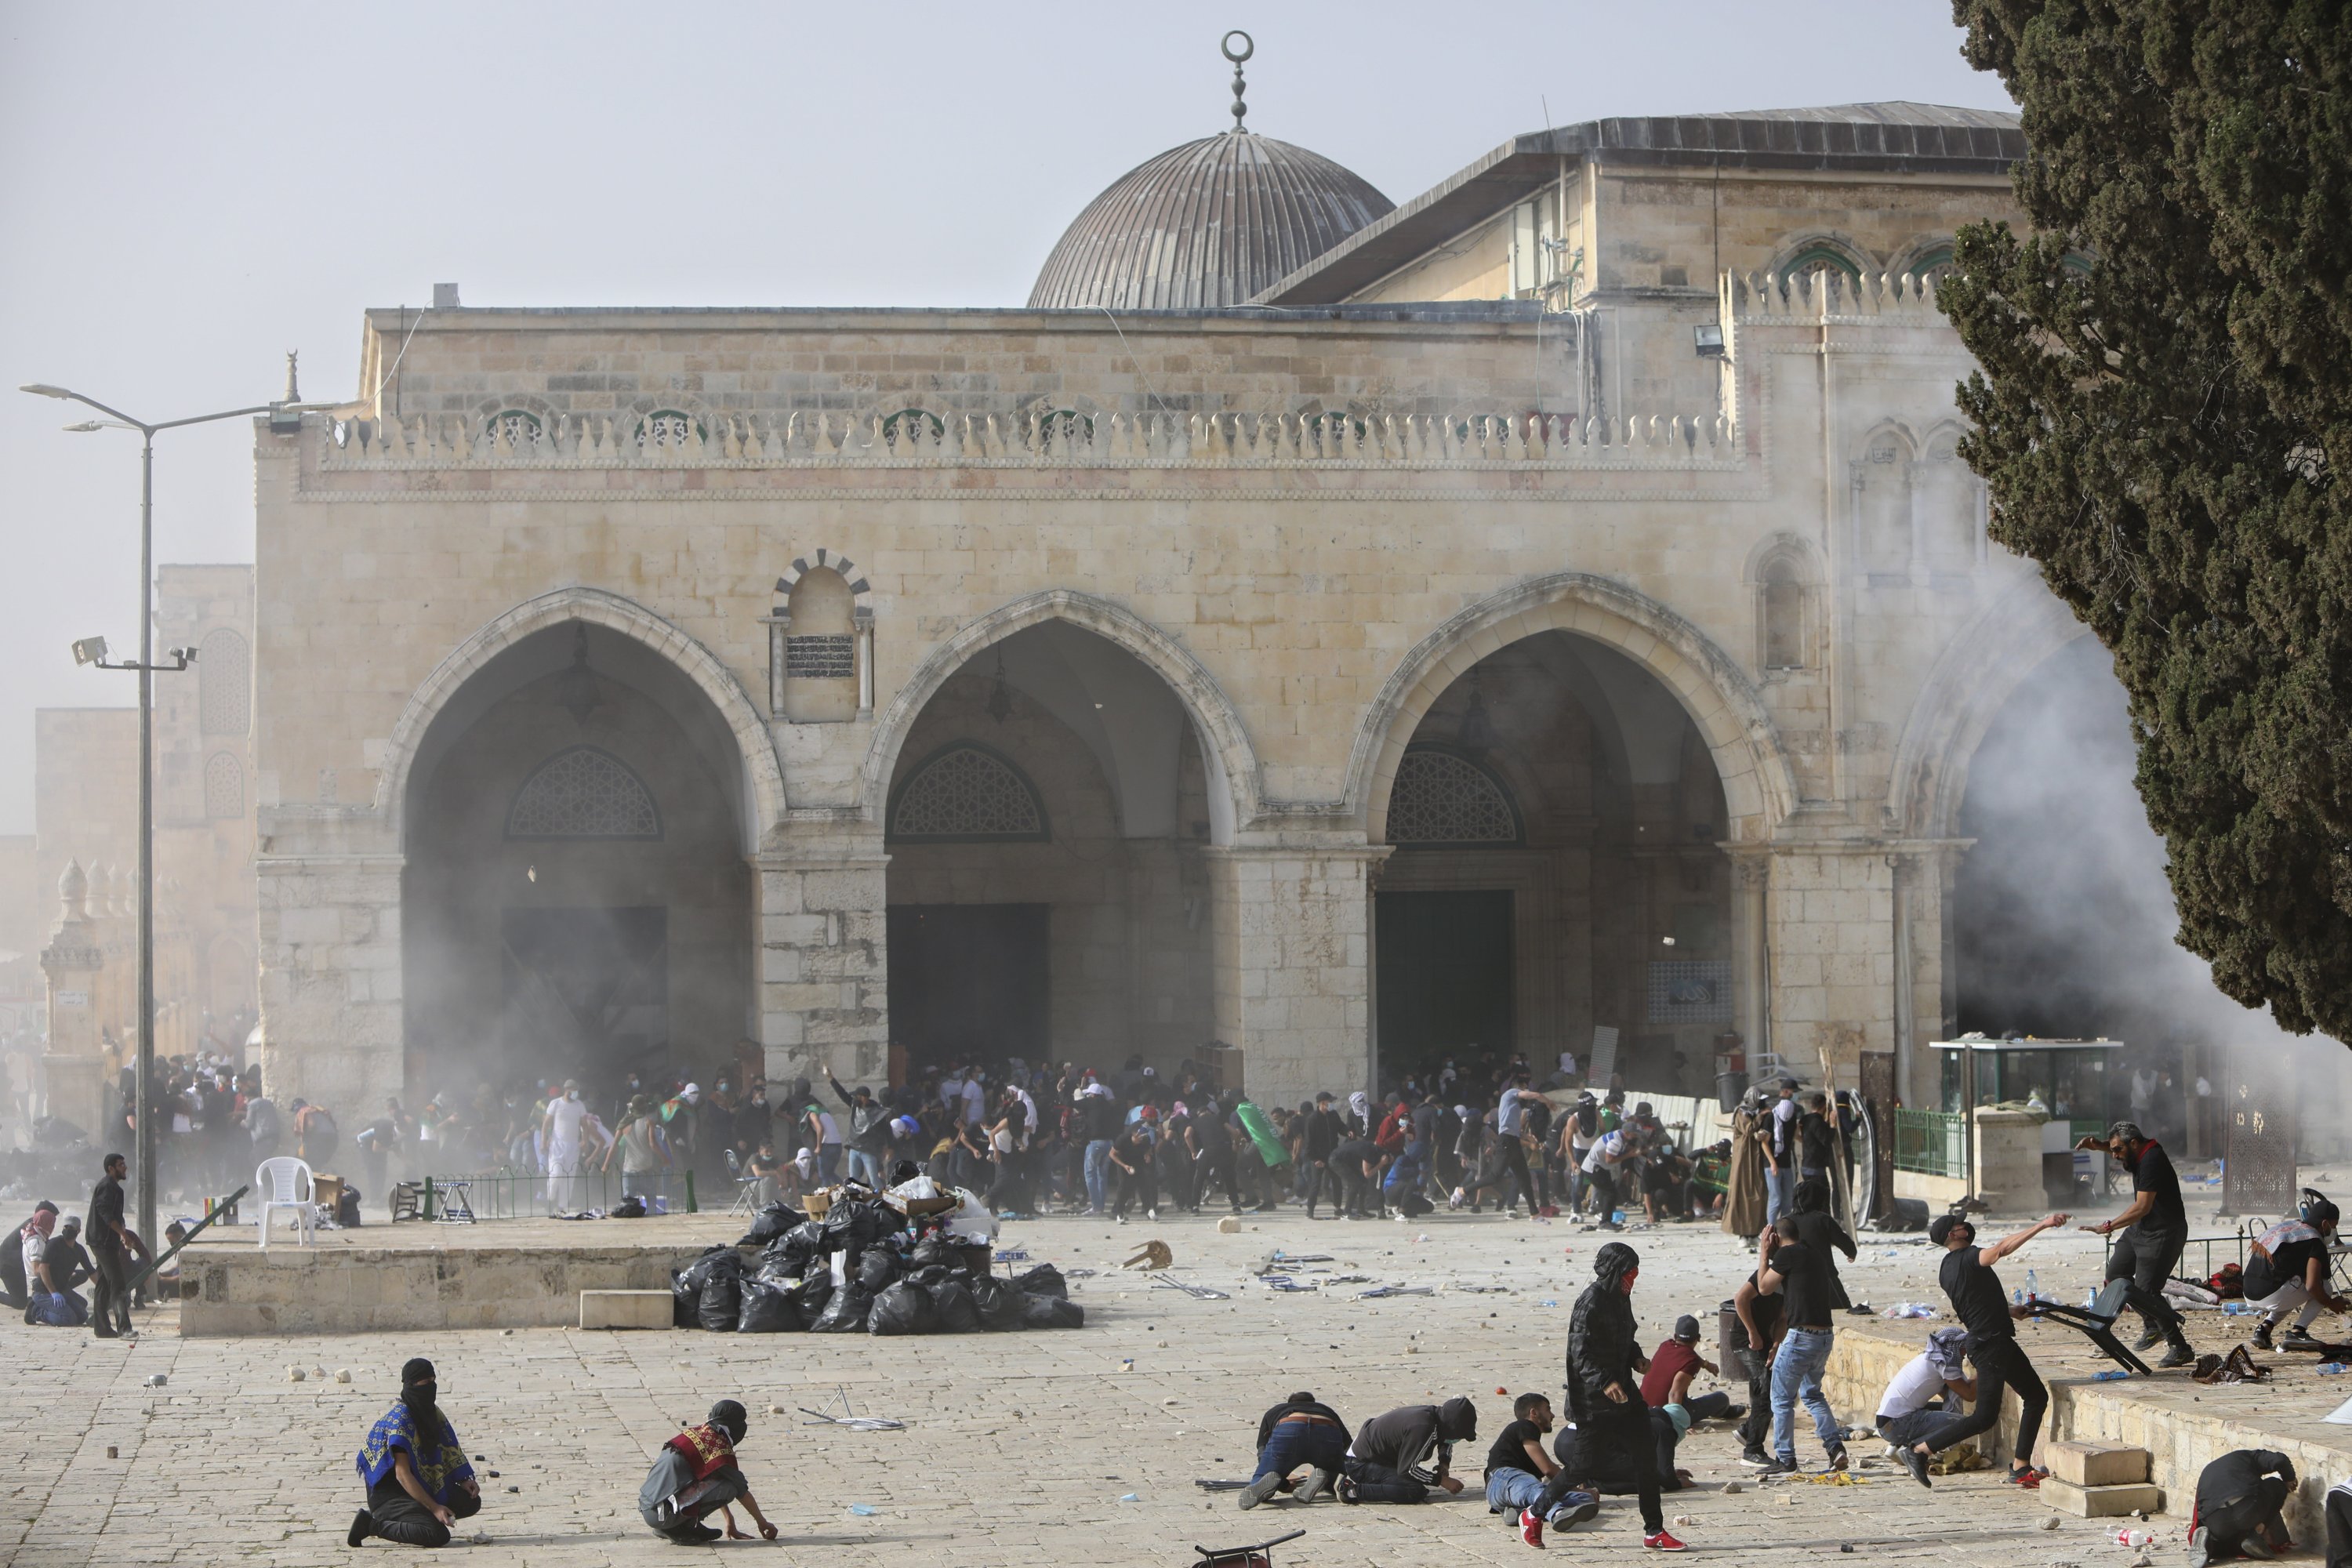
<point>188,191</point>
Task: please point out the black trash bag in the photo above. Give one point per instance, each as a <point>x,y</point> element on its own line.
<point>878,1269</point>
<point>1052,1312</point>
<point>956,1311</point>
<point>1043,1280</point>
<point>698,1271</point>
<point>845,1313</point>
<point>852,1227</point>
<point>815,1293</point>
<point>770,1223</point>
<point>806,1238</point>
<point>767,1308</point>
<point>904,1309</point>
<point>999,1304</point>
<point>931,1274</point>
<point>722,1292</point>
<point>685,1299</point>
<point>629,1208</point>
<point>933,1249</point>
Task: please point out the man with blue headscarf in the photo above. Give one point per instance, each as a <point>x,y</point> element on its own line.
<point>418,1483</point>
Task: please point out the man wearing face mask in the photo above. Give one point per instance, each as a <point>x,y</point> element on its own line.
<point>695,1475</point>
<point>418,1483</point>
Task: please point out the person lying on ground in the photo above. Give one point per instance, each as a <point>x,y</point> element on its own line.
<point>1983,1309</point>
<point>2237,1499</point>
<point>1298,1431</point>
<point>1524,1482</point>
<point>2287,1269</point>
<point>418,1483</point>
<point>695,1475</point>
<point>1668,1380</point>
<point>1398,1457</point>
<point>1918,1402</point>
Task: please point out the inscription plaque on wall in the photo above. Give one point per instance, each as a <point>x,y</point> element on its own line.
<point>820,657</point>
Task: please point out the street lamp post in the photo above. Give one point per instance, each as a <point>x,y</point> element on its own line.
<point>146,666</point>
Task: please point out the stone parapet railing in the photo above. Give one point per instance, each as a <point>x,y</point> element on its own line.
<point>1895,299</point>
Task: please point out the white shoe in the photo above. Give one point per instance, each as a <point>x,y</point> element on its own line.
<point>1152,1214</point>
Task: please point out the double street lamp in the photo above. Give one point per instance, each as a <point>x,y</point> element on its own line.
<point>92,650</point>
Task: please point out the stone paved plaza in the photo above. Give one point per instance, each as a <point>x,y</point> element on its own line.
<point>1019,1448</point>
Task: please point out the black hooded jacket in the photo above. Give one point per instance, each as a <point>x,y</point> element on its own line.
<point>1602,1345</point>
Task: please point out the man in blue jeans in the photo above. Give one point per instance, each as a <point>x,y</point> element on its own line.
<point>1524,1482</point>
<point>1787,1267</point>
<point>1099,1114</point>
<point>1298,1431</point>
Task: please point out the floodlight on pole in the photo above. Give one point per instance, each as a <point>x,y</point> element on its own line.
<point>146,1101</point>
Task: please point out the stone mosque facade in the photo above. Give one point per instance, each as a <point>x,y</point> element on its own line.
<point>1313,636</point>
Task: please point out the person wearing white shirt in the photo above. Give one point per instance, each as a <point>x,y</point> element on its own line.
<point>975,1098</point>
<point>562,1126</point>
<point>1918,1404</point>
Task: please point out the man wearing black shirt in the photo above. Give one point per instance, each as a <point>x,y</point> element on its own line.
<point>2238,1500</point>
<point>1755,1335</point>
<point>112,1245</point>
<point>1517,1470</point>
<point>1322,1133</point>
<point>2154,1229</point>
<point>1298,1431</point>
<point>1787,1267</point>
<point>1982,1308</point>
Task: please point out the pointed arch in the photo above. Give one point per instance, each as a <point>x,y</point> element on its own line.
<point>1224,744</point>
<point>763,796</point>
<point>1972,681</point>
<point>1759,787</point>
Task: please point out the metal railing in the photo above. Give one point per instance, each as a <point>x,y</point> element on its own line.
<point>1931,1142</point>
<point>511,1193</point>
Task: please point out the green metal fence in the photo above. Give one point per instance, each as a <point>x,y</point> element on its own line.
<point>509,1193</point>
<point>1930,1142</point>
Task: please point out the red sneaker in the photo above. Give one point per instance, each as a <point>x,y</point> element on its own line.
<point>1530,1528</point>
<point>1662,1541</point>
<point>2026,1481</point>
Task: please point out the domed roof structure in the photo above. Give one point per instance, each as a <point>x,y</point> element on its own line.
<point>1205,225</point>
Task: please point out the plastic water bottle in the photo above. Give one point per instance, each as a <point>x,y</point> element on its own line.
<point>2032,1286</point>
<point>2113,1375</point>
<point>2330,1369</point>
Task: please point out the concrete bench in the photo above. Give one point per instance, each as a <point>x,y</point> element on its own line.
<point>624,1308</point>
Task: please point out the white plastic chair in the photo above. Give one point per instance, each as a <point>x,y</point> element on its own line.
<point>284,1183</point>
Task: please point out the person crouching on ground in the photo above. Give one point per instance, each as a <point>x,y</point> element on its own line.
<point>1605,1392</point>
<point>1918,1404</point>
<point>1298,1431</point>
<point>696,1475</point>
<point>2239,1497</point>
<point>418,1483</point>
<point>1524,1482</point>
<point>1666,1384</point>
<point>1398,1457</point>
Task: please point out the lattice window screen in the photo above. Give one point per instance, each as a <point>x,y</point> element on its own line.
<point>967,793</point>
<point>1441,798</point>
<point>223,786</point>
<point>224,683</point>
<point>583,793</point>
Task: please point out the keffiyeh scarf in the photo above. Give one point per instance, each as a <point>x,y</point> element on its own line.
<point>440,1463</point>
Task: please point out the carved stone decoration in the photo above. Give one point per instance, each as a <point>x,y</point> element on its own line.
<point>223,786</point>
<point>963,794</point>
<point>1443,800</point>
<point>583,792</point>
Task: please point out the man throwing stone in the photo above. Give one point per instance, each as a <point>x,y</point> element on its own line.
<point>418,1483</point>
<point>1982,1308</point>
<point>696,1475</point>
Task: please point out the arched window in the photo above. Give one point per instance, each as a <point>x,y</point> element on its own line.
<point>583,792</point>
<point>224,683</point>
<point>1946,504</point>
<point>1821,256</point>
<point>967,794</point>
<point>1930,265</point>
<point>913,423</point>
<point>1882,502</point>
<point>1442,800</point>
<point>669,427</point>
<point>1063,427</point>
<point>1784,615</point>
<point>223,786</point>
<point>519,427</point>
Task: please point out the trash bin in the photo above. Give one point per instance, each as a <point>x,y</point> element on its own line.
<point>1730,1087</point>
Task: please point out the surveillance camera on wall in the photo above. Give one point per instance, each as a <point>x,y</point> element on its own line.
<point>89,650</point>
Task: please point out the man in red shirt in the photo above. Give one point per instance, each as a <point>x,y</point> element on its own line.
<point>695,1475</point>
<point>1667,1382</point>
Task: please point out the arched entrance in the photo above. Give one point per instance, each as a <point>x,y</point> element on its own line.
<point>1047,808</point>
<point>576,898</point>
<point>1559,884</point>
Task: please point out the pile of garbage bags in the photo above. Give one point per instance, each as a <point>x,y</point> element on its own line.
<point>863,1267</point>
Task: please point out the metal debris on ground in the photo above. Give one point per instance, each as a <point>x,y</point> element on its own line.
<point>1198,1292</point>
<point>1222,1486</point>
<point>1379,1291</point>
<point>1282,1282</point>
<point>848,1418</point>
<point>1155,1255</point>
